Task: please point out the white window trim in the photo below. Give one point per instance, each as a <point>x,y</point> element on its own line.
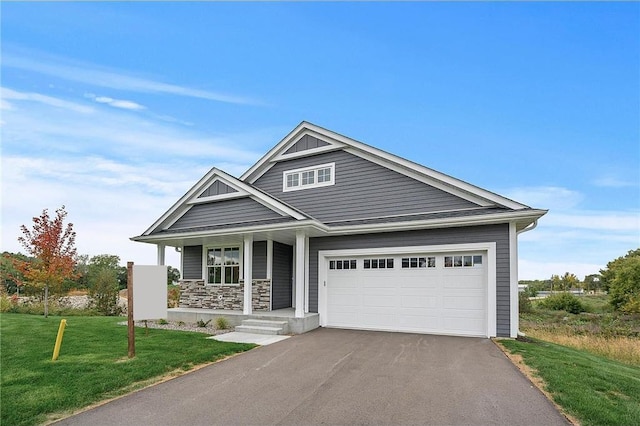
<point>315,184</point>
<point>205,274</point>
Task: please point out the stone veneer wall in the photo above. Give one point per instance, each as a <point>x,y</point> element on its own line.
<point>195,294</point>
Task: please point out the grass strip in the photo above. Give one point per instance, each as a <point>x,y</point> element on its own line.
<point>591,388</point>
<point>93,363</point>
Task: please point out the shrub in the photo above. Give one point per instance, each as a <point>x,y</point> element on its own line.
<point>203,323</point>
<point>103,292</point>
<point>222,323</point>
<point>162,321</point>
<point>524,304</point>
<point>563,302</point>
<point>173,296</point>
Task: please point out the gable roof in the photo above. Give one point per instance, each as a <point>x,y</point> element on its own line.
<point>217,185</point>
<point>288,148</point>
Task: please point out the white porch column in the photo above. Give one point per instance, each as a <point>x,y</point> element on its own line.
<point>269,258</point>
<point>161,252</point>
<point>300,273</point>
<point>247,262</point>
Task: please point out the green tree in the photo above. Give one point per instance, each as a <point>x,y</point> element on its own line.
<point>82,272</point>
<point>556,283</point>
<point>592,282</point>
<point>622,278</point>
<point>173,275</point>
<point>569,281</point>
<point>111,262</point>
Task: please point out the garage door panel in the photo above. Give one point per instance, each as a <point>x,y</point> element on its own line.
<point>419,322</point>
<point>352,300</point>
<point>419,302</point>
<point>460,325</point>
<point>382,301</point>
<point>442,300</point>
<point>377,319</point>
<point>462,303</point>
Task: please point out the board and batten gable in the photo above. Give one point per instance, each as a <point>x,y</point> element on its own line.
<point>427,237</point>
<point>241,210</point>
<point>362,189</point>
<point>306,142</point>
<point>217,188</point>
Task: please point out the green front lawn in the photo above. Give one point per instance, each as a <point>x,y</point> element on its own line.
<point>93,363</point>
<point>594,389</point>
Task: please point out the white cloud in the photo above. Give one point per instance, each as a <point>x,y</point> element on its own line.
<point>115,171</point>
<point>118,132</point>
<point>604,220</point>
<point>117,103</point>
<point>539,270</point>
<point>571,239</point>
<point>7,93</point>
<point>614,182</point>
<point>545,197</point>
<point>94,75</point>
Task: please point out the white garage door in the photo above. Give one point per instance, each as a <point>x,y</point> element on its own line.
<point>440,293</point>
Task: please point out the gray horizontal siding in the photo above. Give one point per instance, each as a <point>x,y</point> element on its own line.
<point>192,262</point>
<point>362,190</point>
<point>477,234</point>
<point>259,267</point>
<point>305,143</point>
<point>217,188</point>
<point>224,212</point>
<point>281,276</point>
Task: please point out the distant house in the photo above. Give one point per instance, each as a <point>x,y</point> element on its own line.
<point>325,230</point>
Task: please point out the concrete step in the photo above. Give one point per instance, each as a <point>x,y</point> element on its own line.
<point>260,326</point>
<point>255,329</point>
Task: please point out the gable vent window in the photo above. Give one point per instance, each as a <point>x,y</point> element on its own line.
<point>309,177</point>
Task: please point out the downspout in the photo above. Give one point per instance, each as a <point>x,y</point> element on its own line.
<point>529,227</point>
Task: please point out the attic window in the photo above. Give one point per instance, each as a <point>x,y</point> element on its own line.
<point>309,177</point>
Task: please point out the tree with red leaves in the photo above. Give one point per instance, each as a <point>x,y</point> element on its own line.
<point>52,244</point>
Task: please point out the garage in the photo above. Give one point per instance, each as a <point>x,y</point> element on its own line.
<point>424,292</point>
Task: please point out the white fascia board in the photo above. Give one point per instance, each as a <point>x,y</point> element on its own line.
<point>421,173</point>
<point>306,152</point>
<point>410,165</point>
<point>434,178</point>
<point>261,197</point>
<point>307,224</point>
<point>276,153</point>
<point>488,219</point>
<point>191,197</point>
<point>272,153</point>
<point>220,197</point>
<point>178,204</point>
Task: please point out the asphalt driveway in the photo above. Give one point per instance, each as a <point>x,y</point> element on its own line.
<point>331,376</point>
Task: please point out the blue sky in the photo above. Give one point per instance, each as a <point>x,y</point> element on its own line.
<point>115,109</point>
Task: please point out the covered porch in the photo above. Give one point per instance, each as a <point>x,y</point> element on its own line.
<point>242,275</point>
<point>296,325</point>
